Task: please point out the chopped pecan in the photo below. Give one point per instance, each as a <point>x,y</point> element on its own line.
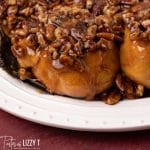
<point>41,39</point>
<point>66,60</point>
<point>50,32</point>
<point>55,55</point>
<point>66,47</point>
<point>109,36</point>
<point>11,20</point>
<point>139,90</point>
<point>113,98</point>
<point>78,48</point>
<point>120,82</point>
<point>128,88</point>
<point>76,34</point>
<point>89,4</point>
<point>140,6</point>
<point>146,23</point>
<point>11,2</point>
<point>60,33</point>
<point>91,32</point>
<point>12,10</point>
<point>26,12</point>
<point>21,32</point>
<point>103,44</point>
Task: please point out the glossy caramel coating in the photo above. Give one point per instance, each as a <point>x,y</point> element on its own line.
<point>135,59</point>
<point>101,69</point>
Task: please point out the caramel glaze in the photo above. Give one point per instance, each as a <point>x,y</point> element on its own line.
<point>100,68</point>
<point>99,74</point>
<point>135,59</point>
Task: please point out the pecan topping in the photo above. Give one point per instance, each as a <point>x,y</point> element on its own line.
<point>69,29</point>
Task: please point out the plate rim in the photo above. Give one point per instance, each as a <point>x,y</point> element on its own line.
<point>32,113</point>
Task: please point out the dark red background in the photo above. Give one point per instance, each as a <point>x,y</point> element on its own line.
<point>59,139</point>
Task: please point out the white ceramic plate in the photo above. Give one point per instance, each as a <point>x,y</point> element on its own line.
<point>26,102</point>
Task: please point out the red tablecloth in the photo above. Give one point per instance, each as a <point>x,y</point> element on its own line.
<point>59,139</point>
